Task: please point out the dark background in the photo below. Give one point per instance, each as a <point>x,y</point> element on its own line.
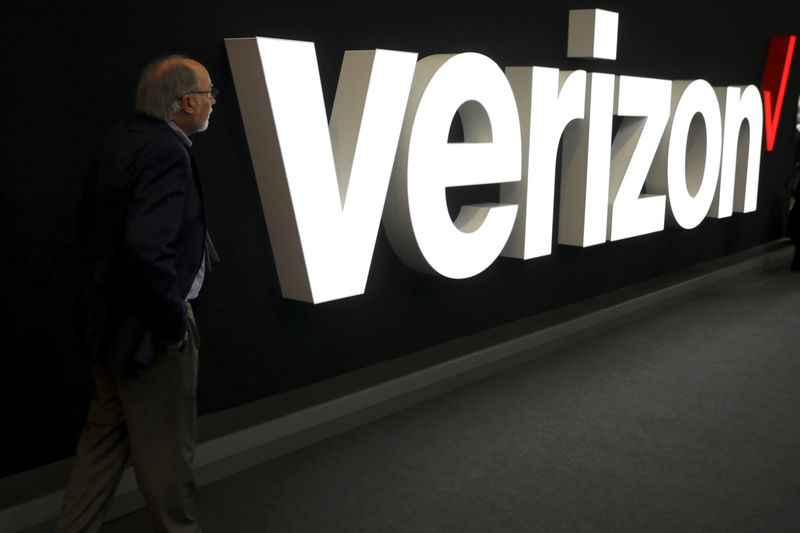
<point>71,71</point>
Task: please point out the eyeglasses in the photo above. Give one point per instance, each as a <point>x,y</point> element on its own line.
<point>212,93</point>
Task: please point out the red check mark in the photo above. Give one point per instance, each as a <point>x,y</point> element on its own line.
<point>776,74</point>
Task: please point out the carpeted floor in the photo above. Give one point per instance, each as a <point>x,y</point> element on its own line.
<point>683,421</point>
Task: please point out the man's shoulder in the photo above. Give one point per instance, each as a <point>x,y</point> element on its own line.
<point>142,134</point>
<point>143,129</point>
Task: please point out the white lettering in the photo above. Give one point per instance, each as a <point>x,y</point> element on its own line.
<point>687,162</point>
<point>632,154</point>
<point>548,100</point>
<point>323,186</point>
<point>416,218</point>
<point>585,168</point>
<point>322,190</point>
<point>736,191</point>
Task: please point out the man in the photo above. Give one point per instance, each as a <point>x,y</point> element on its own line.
<point>143,249</point>
<point>793,184</point>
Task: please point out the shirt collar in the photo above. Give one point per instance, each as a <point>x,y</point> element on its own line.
<point>181,134</point>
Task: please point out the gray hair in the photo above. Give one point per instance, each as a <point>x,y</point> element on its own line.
<point>162,84</point>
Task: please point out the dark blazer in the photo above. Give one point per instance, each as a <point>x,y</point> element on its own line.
<point>142,235</point>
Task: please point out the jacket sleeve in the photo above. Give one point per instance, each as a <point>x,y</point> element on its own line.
<point>153,221</point>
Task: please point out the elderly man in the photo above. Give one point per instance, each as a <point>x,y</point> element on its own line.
<point>143,249</point>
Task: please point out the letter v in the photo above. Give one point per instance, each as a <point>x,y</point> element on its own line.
<point>322,235</point>
<point>776,73</point>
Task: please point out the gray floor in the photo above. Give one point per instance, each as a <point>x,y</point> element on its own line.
<point>687,420</point>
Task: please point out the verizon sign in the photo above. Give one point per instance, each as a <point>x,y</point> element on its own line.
<point>680,155</point>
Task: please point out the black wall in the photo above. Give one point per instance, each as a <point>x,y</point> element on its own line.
<point>71,71</point>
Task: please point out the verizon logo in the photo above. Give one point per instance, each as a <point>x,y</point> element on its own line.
<point>684,151</point>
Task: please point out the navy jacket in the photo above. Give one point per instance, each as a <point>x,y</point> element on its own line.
<point>142,230</point>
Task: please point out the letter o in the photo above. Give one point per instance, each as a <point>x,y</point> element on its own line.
<point>692,173</point>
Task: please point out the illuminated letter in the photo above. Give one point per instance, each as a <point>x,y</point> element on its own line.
<point>547,102</point>
<point>416,218</point>
<point>592,33</point>
<point>690,158</point>
<point>585,168</point>
<point>736,191</point>
<point>322,234</point>
<point>632,153</point>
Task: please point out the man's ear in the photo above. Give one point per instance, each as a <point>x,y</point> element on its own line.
<point>188,104</point>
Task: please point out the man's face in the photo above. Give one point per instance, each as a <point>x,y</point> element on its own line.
<point>203,99</point>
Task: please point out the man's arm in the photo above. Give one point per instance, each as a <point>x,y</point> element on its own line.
<point>152,225</point>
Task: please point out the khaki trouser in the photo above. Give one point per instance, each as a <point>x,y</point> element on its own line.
<point>152,420</point>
